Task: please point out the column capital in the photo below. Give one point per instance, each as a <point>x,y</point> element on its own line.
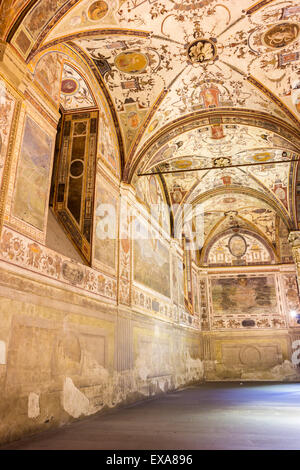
<point>294,239</point>
<point>127,188</point>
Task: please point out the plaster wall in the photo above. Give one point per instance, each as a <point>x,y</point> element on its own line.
<point>66,356</point>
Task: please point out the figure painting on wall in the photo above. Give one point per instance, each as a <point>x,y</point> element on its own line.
<point>48,75</point>
<point>106,145</point>
<point>106,226</point>
<point>31,188</point>
<point>151,261</point>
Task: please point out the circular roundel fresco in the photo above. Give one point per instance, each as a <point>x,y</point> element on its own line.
<point>281,35</point>
<point>237,246</point>
<point>97,10</point>
<point>76,169</point>
<point>131,62</point>
<point>69,86</point>
<point>202,50</point>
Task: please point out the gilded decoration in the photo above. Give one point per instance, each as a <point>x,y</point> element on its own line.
<point>202,50</point>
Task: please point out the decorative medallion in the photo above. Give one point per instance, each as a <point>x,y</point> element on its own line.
<point>222,161</point>
<point>76,168</point>
<point>281,35</point>
<point>262,157</point>
<point>183,164</point>
<point>237,246</point>
<point>72,273</point>
<point>97,10</point>
<point>131,62</point>
<point>177,196</point>
<point>69,86</point>
<point>202,50</point>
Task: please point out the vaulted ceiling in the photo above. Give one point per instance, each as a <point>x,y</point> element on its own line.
<point>192,85</point>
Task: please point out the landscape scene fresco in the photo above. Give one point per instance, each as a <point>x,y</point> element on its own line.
<point>244,295</point>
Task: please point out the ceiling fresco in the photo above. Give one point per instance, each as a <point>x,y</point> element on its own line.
<point>221,145</point>
<point>238,248</point>
<point>198,85</point>
<point>238,210</point>
<point>75,93</point>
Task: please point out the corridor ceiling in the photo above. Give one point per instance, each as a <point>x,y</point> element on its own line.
<point>191,84</point>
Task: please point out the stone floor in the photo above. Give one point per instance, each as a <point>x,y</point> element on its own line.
<point>209,416</point>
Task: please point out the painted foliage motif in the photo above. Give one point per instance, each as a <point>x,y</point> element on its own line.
<point>31,189</point>
<point>151,261</point>
<point>244,295</point>
<point>106,226</point>
<point>7,106</point>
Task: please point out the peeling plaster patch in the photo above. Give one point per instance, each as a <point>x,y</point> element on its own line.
<point>74,402</point>
<point>161,384</point>
<point>285,371</point>
<point>2,352</point>
<point>142,369</point>
<point>33,405</point>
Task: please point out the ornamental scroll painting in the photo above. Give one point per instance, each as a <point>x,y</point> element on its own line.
<point>31,189</point>
<point>244,295</point>
<point>7,106</point>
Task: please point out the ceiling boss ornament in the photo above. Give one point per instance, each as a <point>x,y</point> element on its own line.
<point>202,50</point>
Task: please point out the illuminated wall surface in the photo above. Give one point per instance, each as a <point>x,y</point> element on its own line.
<point>149,205</point>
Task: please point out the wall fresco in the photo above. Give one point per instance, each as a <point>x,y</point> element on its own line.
<point>48,75</point>
<point>246,295</point>
<point>106,225</point>
<point>35,257</point>
<point>31,189</point>
<point>151,261</point>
